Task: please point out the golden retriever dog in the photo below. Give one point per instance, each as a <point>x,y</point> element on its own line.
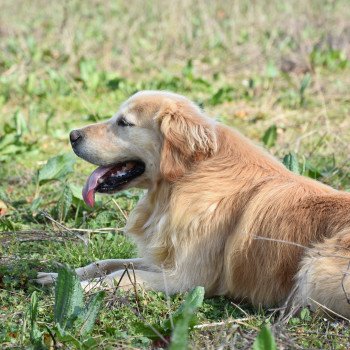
<point>219,211</point>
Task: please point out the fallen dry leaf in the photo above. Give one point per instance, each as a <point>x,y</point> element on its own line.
<point>3,208</point>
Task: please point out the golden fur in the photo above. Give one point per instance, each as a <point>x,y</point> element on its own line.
<point>221,212</point>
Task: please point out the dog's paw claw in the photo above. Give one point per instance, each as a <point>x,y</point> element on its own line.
<point>46,278</point>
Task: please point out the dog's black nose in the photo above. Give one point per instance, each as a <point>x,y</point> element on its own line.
<point>75,136</point>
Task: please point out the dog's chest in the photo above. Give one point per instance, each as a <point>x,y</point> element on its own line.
<point>149,226</point>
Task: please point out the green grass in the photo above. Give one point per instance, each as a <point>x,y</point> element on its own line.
<point>257,66</point>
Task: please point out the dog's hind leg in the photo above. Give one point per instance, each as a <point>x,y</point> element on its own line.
<point>96,269</point>
<point>323,281</point>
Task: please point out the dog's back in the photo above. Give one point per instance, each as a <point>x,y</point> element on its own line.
<point>258,223</point>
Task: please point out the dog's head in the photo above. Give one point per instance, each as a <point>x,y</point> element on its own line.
<point>154,135</point>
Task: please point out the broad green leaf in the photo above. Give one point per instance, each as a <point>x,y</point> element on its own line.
<point>6,140</point>
<point>68,297</point>
<point>66,337</point>
<point>167,324</point>
<point>87,317</point>
<point>33,311</point>
<point>183,317</point>
<point>78,197</point>
<point>36,204</point>
<point>265,340</point>
<point>193,300</point>
<point>57,168</point>
<point>13,149</point>
<point>35,334</point>
<point>305,314</point>
<point>65,202</point>
<point>185,314</point>
<point>179,339</point>
<point>291,162</point>
<point>76,191</point>
<point>270,136</point>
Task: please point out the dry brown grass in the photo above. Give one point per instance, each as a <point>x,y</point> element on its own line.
<point>229,37</point>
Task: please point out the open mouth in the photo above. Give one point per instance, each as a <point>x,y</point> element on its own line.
<point>109,179</point>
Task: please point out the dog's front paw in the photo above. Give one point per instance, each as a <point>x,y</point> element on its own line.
<point>46,278</point>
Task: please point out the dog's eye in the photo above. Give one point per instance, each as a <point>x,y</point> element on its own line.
<point>122,122</point>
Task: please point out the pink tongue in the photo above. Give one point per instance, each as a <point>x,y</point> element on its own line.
<point>91,184</point>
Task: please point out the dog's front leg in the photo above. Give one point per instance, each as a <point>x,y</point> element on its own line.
<point>96,269</point>
<point>103,268</point>
<point>129,279</point>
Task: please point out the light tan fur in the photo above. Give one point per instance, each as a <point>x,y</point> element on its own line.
<point>221,212</point>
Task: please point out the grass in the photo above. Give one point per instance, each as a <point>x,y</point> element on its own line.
<point>257,66</point>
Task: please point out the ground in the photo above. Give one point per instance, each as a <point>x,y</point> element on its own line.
<point>277,71</point>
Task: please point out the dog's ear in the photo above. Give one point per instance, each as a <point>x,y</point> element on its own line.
<point>188,137</point>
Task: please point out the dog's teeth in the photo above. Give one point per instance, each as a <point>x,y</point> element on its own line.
<point>100,180</point>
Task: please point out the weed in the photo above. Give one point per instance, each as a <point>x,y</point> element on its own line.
<point>73,319</point>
